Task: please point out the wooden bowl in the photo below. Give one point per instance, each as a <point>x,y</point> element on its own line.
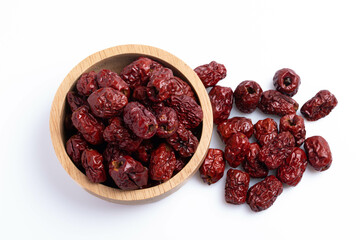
<point>115,59</point>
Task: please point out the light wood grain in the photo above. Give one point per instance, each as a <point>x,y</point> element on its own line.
<point>115,59</point>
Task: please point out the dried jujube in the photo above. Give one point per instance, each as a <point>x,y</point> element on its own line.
<point>90,127</point>
<point>319,106</point>
<point>318,152</point>
<point>213,167</point>
<point>107,78</point>
<point>286,81</point>
<point>291,171</point>
<point>234,125</point>
<point>236,149</point>
<point>92,161</point>
<point>107,102</point>
<point>140,120</point>
<point>263,194</point>
<point>274,102</point>
<point>127,173</point>
<point>247,96</point>
<point>74,148</point>
<point>295,125</point>
<point>252,165</point>
<point>210,74</point>
<point>87,83</point>
<point>265,131</point>
<point>162,163</point>
<point>221,99</point>
<point>275,152</point>
<point>236,186</point>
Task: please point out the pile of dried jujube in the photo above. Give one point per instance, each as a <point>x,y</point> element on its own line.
<point>276,148</point>
<point>134,129</point>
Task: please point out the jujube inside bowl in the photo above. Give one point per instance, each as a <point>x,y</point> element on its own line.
<point>115,59</point>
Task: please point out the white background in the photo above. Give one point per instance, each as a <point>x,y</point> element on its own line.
<point>41,41</point>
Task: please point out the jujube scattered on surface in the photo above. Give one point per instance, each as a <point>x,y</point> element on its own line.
<point>247,96</point>
<point>318,152</point>
<point>286,81</point>
<point>221,99</point>
<point>213,167</point>
<point>236,186</point>
<point>319,106</point>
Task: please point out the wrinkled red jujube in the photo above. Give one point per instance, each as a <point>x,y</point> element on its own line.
<point>221,99</point>
<point>236,149</point>
<point>265,131</point>
<point>140,120</point>
<point>127,173</point>
<point>236,186</point>
<point>286,81</point>
<point>247,96</point>
<point>213,167</point>
<point>92,161</point>
<point>275,152</point>
<point>263,194</point>
<point>274,102</point>
<point>235,125</point>
<point>162,163</point>
<point>291,171</point>
<point>210,74</point>
<point>318,152</point>
<point>319,106</point>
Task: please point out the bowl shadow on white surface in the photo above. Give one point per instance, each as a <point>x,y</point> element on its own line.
<point>56,181</point>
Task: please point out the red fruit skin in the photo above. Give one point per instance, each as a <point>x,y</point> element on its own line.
<point>274,153</point>
<point>89,127</point>
<point>112,152</point>
<point>213,167</point>
<point>87,83</point>
<point>236,186</point>
<point>140,120</point>
<point>234,125</point>
<point>252,165</point>
<point>107,78</point>
<point>167,121</point>
<point>263,194</point>
<point>319,106</point>
<point>293,168</point>
<point>210,74</point>
<point>92,161</point>
<point>128,174</point>
<point>178,87</point>
<point>183,141</point>
<point>236,149</point>
<point>188,111</point>
<point>117,134</point>
<point>162,163</point>
<point>318,152</point>
<point>274,102</point>
<point>295,125</point>
<point>107,102</point>
<point>75,147</point>
<point>143,153</point>
<point>221,99</point>
<point>247,96</point>
<point>157,87</point>
<point>265,131</point>
<point>74,100</point>
<point>287,81</point>
<point>138,72</point>
<point>180,164</point>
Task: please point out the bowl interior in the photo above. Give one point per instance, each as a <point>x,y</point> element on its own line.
<point>115,59</point>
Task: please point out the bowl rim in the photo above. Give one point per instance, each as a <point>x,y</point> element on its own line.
<point>140,195</point>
